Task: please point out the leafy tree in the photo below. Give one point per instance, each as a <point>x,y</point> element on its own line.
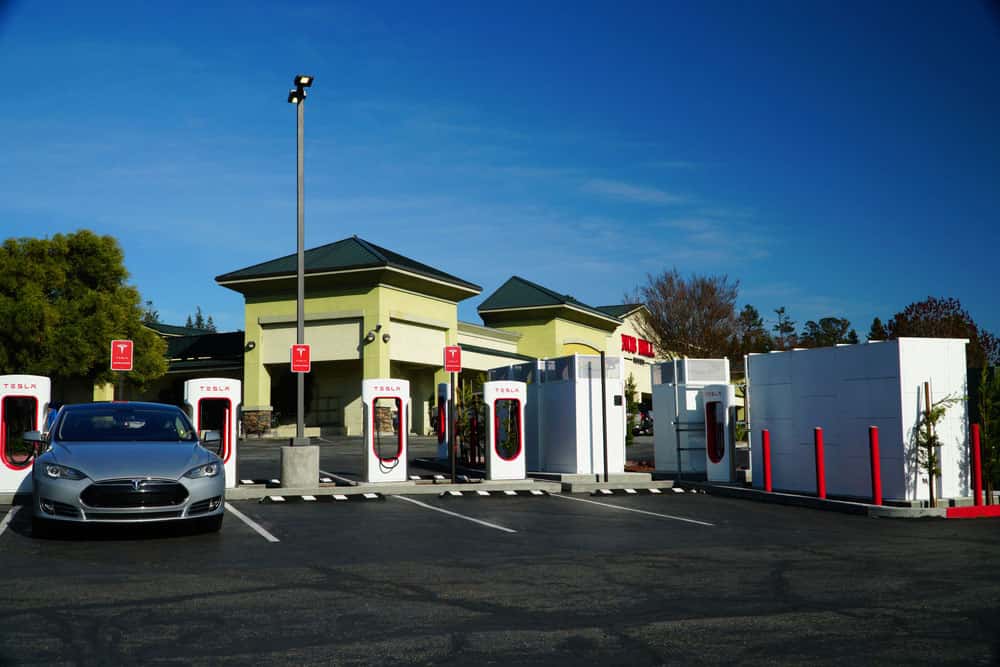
<point>827,332</point>
<point>62,301</point>
<point>694,317</point>
<point>784,329</point>
<point>149,314</point>
<point>926,440</point>
<point>631,408</point>
<point>751,335</point>
<point>945,318</point>
<point>877,330</point>
<point>989,436</point>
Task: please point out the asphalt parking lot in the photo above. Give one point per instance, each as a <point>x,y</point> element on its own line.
<point>638,580</point>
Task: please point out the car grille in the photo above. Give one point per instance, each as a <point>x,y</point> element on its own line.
<point>134,493</point>
<point>132,516</point>
<point>203,506</point>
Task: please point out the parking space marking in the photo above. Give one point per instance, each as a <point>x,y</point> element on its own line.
<point>631,509</point>
<point>259,529</point>
<point>8,518</point>
<point>341,478</point>
<point>456,514</point>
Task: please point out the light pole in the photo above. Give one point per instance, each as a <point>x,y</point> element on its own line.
<point>300,460</point>
<point>297,96</point>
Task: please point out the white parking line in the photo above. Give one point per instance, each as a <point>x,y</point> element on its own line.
<point>352,482</point>
<point>260,530</point>
<point>456,514</point>
<point>8,518</point>
<point>631,509</point>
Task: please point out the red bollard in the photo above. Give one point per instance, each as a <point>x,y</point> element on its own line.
<point>820,466</point>
<point>977,467</point>
<point>766,440</point>
<point>876,465</point>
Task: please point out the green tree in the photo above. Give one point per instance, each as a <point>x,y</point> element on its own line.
<point>827,332</point>
<point>751,334</point>
<point>989,436</point>
<point>150,315</point>
<point>945,318</point>
<point>927,443</point>
<point>62,301</point>
<point>877,330</point>
<point>631,408</point>
<point>784,329</point>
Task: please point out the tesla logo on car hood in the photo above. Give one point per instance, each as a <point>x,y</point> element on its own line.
<point>137,484</point>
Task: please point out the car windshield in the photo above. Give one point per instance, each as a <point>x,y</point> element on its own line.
<point>125,423</point>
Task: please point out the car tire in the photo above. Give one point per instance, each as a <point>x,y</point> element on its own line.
<point>212,524</point>
<point>42,529</point>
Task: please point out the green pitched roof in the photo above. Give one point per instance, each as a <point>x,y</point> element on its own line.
<point>620,310</point>
<point>173,330</point>
<point>518,293</point>
<point>343,255</point>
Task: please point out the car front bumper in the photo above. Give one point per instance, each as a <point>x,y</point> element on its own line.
<point>60,500</point>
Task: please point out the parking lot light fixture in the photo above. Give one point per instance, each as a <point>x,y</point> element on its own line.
<point>303,81</point>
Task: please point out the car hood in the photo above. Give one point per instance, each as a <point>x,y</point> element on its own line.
<point>102,460</point>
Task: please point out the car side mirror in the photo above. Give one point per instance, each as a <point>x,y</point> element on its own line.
<point>211,436</point>
<point>33,437</point>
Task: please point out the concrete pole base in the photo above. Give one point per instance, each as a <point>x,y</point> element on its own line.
<point>300,467</point>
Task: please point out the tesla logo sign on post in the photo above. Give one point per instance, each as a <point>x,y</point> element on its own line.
<point>121,355</point>
<point>453,359</point>
<point>300,359</point>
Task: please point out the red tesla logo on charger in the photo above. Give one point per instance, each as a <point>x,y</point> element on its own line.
<point>453,359</point>
<point>300,359</point>
<point>121,355</point>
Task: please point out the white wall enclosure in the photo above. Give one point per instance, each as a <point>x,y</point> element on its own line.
<point>846,389</point>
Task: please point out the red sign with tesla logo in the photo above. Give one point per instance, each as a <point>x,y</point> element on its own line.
<point>453,359</point>
<point>121,355</point>
<point>301,359</point>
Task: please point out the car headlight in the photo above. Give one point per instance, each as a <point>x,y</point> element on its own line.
<point>207,470</point>
<point>62,472</point>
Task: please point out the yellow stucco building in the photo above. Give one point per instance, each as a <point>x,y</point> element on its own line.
<point>371,312</point>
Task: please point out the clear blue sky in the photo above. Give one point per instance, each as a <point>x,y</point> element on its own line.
<point>838,158</point>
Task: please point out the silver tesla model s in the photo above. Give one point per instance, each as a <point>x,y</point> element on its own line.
<point>125,462</point>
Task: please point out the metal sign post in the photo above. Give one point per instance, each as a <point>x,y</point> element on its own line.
<point>453,366</point>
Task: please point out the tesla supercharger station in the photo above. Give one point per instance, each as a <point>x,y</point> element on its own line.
<point>505,404</point>
<point>679,439</point>
<point>214,405</point>
<point>386,415</point>
<point>443,423</point>
<point>23,402</point>
<point>720,457</point>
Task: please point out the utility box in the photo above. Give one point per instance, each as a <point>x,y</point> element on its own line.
<point>844,390</point>
<point>564,430</point>
<point>679,440</point>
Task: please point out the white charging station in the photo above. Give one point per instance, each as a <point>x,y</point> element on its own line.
<point>719,401</point>
<point>214,405</point>
<point>679,440</point>
<point>443,423</point>
<point>24,400</point>
<point>505,405</point>
<point>386,414</point>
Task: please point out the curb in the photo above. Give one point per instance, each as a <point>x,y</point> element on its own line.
<point>842,506</point>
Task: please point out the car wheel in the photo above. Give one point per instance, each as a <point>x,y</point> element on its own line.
<point>42,528</point>
<point>212,524</point>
